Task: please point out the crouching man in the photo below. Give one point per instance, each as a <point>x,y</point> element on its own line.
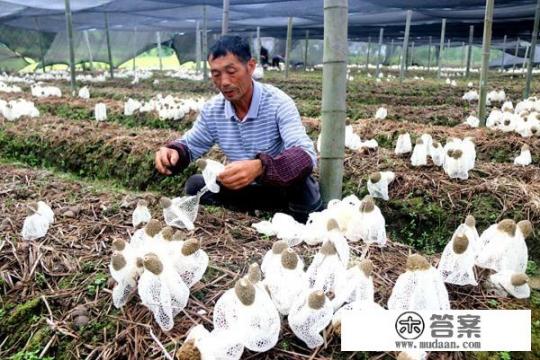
<point>258,127</point>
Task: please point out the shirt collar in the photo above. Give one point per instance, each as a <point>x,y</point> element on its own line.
<point>253,110</point>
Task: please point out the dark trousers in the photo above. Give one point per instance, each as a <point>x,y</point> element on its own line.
<point>297,200</point>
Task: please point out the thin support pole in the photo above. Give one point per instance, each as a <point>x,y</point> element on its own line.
<point>90,57</point>
<point>205,44</point>
<point>368,50</point>
<point>306,47</point>
<point>391,50</point>
<point>463,54</point>
<point>429,54</point>
<point>334,94</point>
<point>486,45</point>
<point>108,38</point>
<point>225,22</point>
<point>533,48</point>
<point>258,45</point>
<point>503,52</point>
<point>516,54</point>
<point>41,47</point>
<point>158,40</point>
<point>447,54</point>
<point>381,35</point>
<point>69,28</point>
<point>198,47</point>
<point>441,46</point>
<point>469,51</point>
<point>411,58</point>
<point>133,51</point>
<point>526,57</point>
<point>288,47</point>
<point>405,46</point>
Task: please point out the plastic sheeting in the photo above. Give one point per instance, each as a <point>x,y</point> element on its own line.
<point>10,61</point>
<point>124,46</point>
<point>511,60</point>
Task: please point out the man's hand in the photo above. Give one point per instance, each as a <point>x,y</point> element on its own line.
<point>165,159</point>
<point>240,174</point>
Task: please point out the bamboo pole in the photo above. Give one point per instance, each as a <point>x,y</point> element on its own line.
<point>381,35</point>
<point>87,42</point>
<point>429,54</point>
<point>133,51</point>
<point>288,47</point>
<point>334,109</point>
<point>258,45</point>
<point>198,47</point>
<point>526,57</point>
<point>367,54</point>
<point>69,28</point>
<point>463,54</point>
<point>441,46</point>
<point>109,52</point>
<point>41,47</point>
<point>533,49</point>
<point>405,46</point>
<point>469,50</point>
<point>447,53</point>
<point>516,54</point>
<point>411,58</point>
<point>306,47</point>
<point>503,52</point>
<point>486,45</point>
<point>391,50</point>
<point>158,40</point>
<point>225,22</point>
<point>204,51</point>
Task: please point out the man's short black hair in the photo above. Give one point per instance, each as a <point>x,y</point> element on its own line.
<point>233,44</point>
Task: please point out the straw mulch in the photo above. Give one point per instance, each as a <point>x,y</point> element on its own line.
<point>61,271</point>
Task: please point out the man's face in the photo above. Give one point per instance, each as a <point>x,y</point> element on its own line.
<point>231,76</point>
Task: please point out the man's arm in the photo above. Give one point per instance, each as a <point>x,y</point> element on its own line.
<point>189,147</point>
<point>298,158</point>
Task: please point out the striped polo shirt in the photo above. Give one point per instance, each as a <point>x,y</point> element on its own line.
<point>271,125</point>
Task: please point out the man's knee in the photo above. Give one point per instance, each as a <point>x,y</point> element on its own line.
<point>193,184</point>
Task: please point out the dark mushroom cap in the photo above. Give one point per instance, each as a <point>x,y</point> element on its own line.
<point>245,291</point>
<point>316,300</point>
<point>289,259</point>
<point>152,263</point>
<point>328,248</point>
<point>508,226</point>
<point>190,246</point>
<point>279,246</point>
<point>461,242</point>
<point>519,279</point>
<point>526,228</point>
<point>118,261</point>
<point>152,228</point>
<point>417,262</point>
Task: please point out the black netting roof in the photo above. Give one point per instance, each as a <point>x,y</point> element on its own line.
<point>511,17</point>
